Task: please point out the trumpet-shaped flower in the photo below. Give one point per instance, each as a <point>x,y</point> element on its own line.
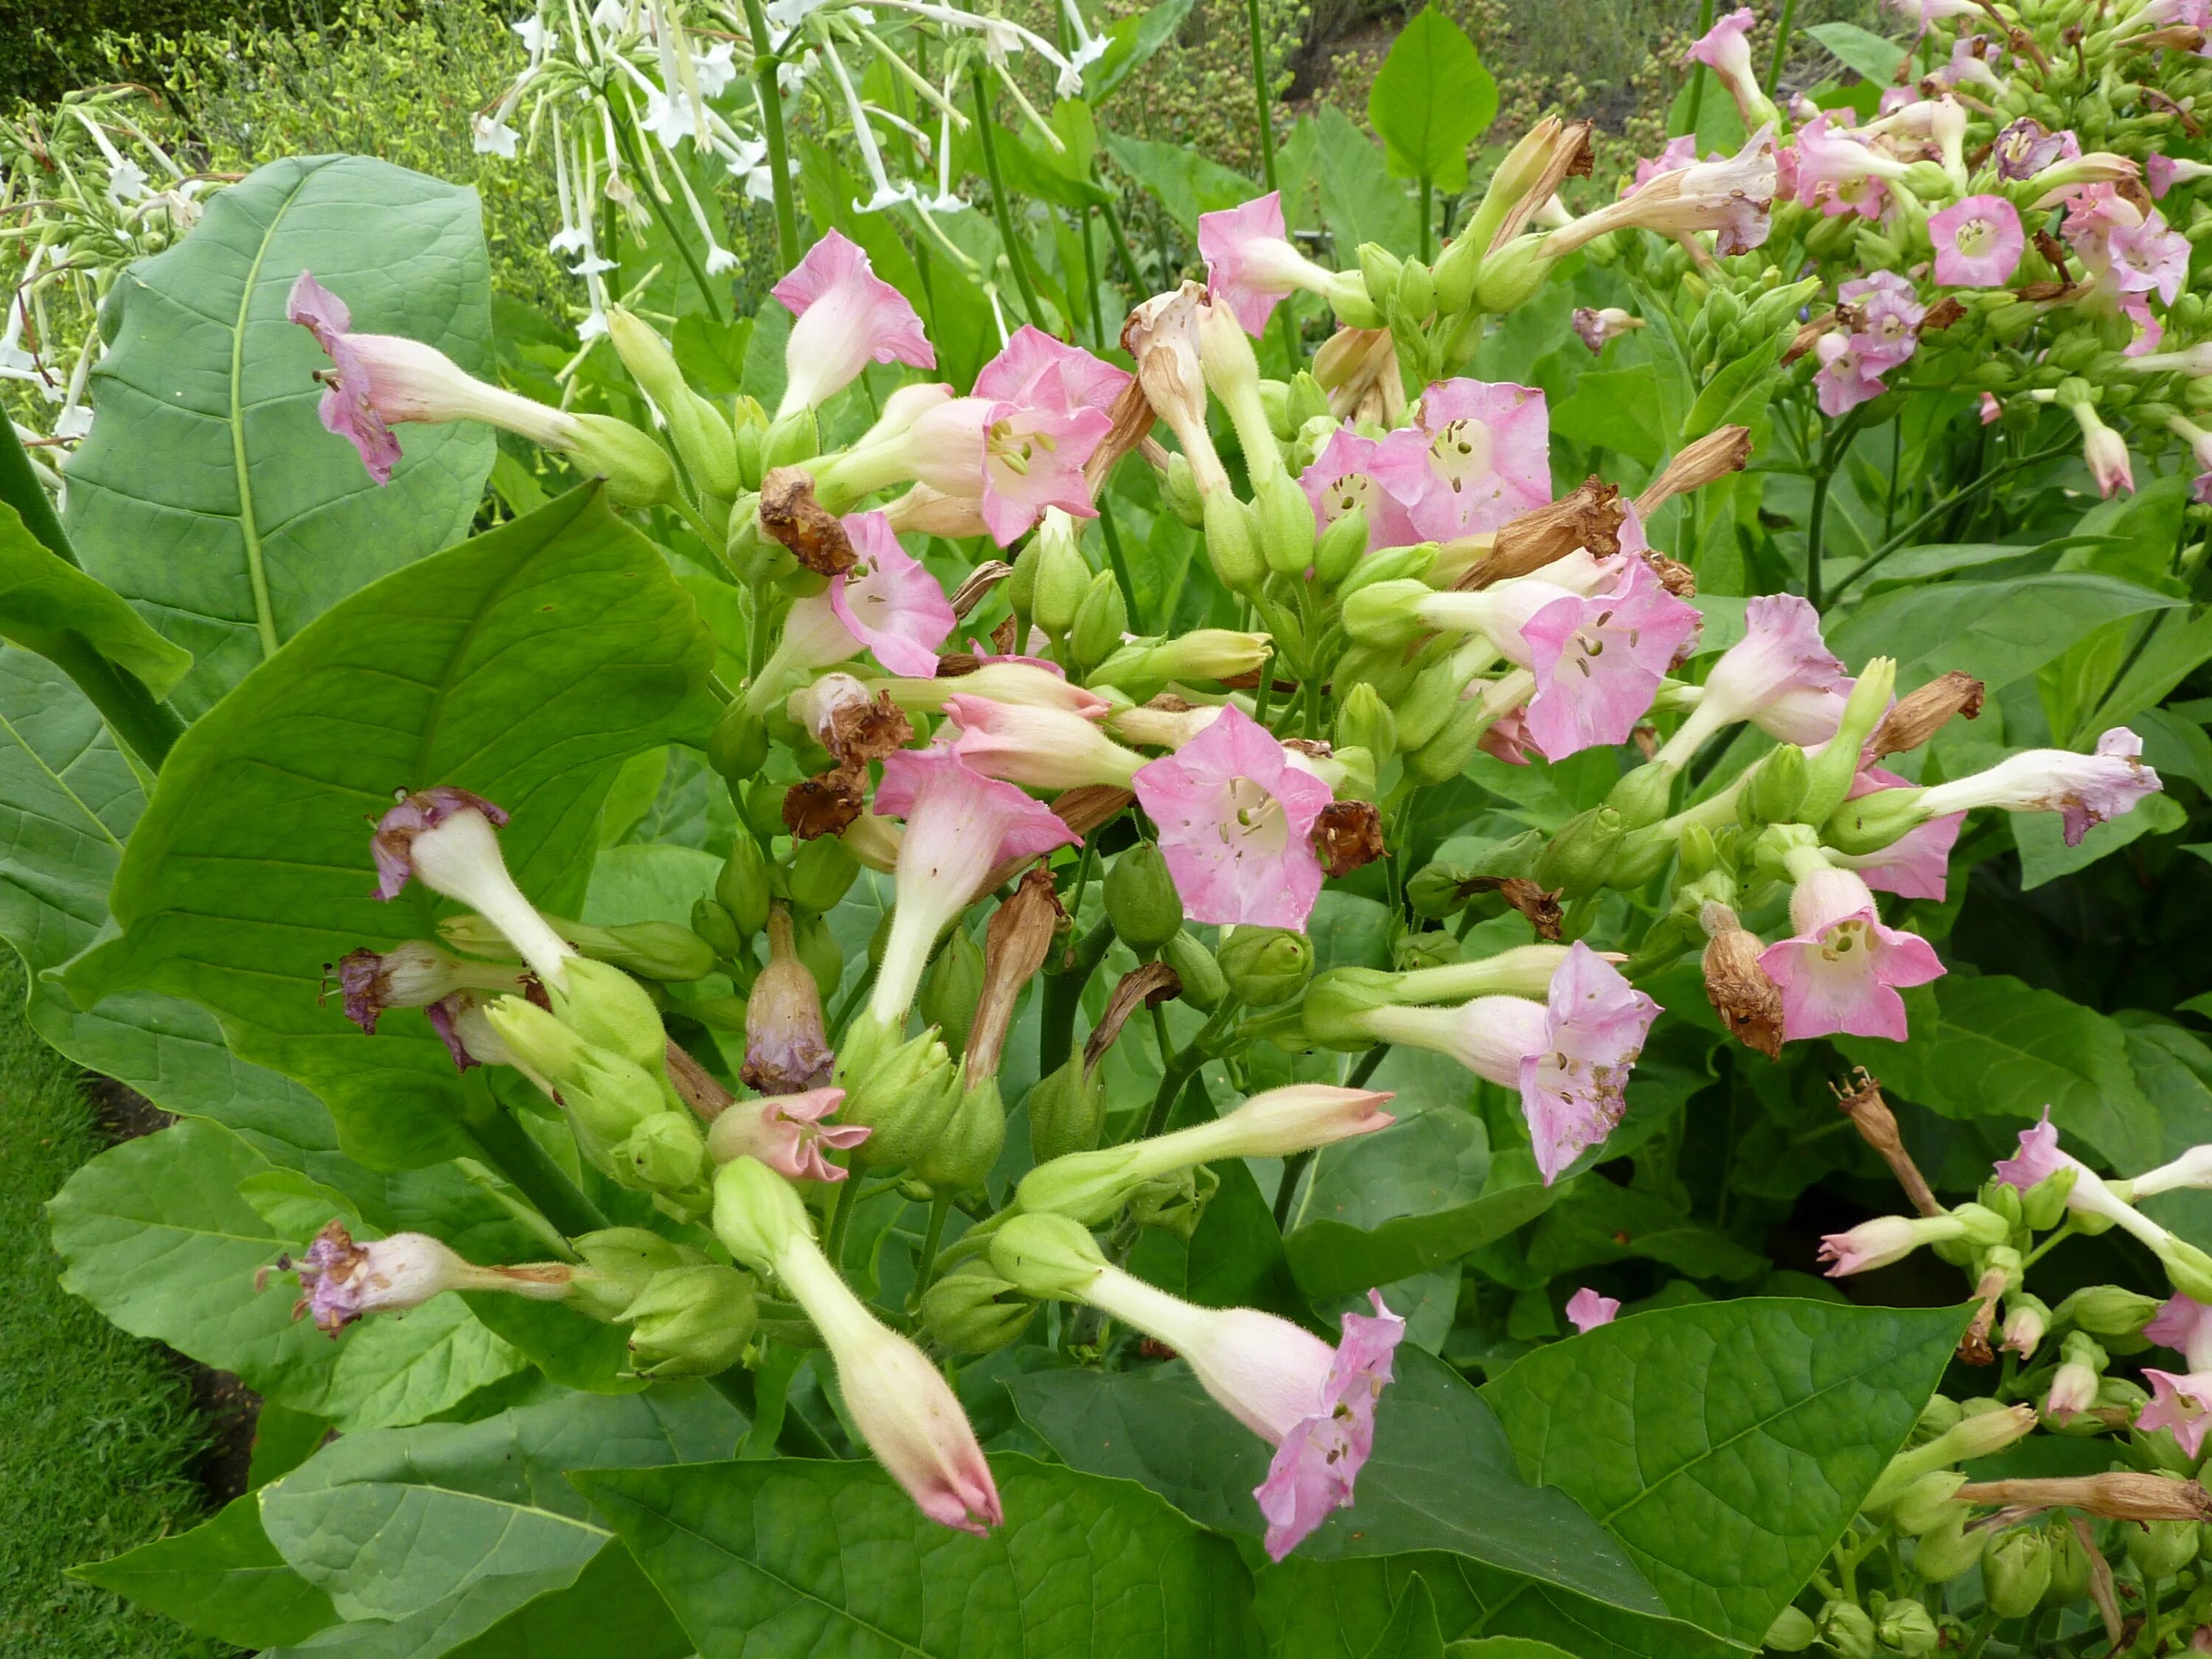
<point>1343,478</point>
<point>786,1133</point>
<point>445,838</point>
<point>1250,264</point>
<point>1482,455</point>
<point>1780,676</point>
<point>1235,818</point>
<point>846,316</point>
<point>2086,789</point>
<point>886,604</point>
<point>1979,242</point>
<point>1842,969</point>
<point>1598,659</point>
<point>1041,747</point>
<point>1031,355</point>
<point>1587,1310</point>
<point>340,1281</point>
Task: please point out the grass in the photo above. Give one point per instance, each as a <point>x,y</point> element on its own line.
<point>97,1433</point>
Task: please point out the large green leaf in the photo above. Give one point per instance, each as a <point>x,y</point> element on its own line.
<point>1186,183</point>
<point>1431,100</point>
<point>524,665</point>
<point>1875,58</point>
<point>1359,200</point>
<point>223,1578</point>
<point>1440,1475</point>
<point>1129,43</point>
<point>208,493</point>
<point>1989,1046</point>
<point>785,1557</point>
<point>1726,1445</point>
<point>1998,632</point>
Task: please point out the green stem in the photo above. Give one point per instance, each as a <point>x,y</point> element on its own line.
<point>1177,1074</point>
<point>1816,535</point>
<point>1120,240</point>
<point>1698,76</point>
<point>1262,94</point>
<point>1428,207</point>
<point>1906,538</point>
<point>1781,44</point>
<point>941,1206</point>
<point>841,1219</point>
<point>691,262</point>
<point>1063,995</point>
<point>1090,282</point>
<point>149,726</point>
<point>765,63</point>
<point>1294,1167</point>
<point>1002,206</point>
<point>1116,560</point>
<point>510,1150</point>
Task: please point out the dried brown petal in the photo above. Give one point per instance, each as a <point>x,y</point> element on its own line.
<point>1529,897</point>
<point>1014,947</point>
<point>863,732</point>
<point>2122,1495</point>
<point>977,587</point>
<point>1748,1003</point>
<point>1083,808</point>
<point>1348,835</point>
<point>1588,516</point>
<point>1673,575</point>
<point>1941,315</point>
<point>1004,635</point>
<point>824,804</point>
<point>1696,464</point>
<point>2052,250</point>
<point>699,1088</point>
<point>1921,714</point>
<point>1808,333</point>
<point>957,665</point>
<point>1145,986</point>
<point>1132,416</point>
<point>1568,156</point>
<point>1877,1126</point>
<point>789,513</point>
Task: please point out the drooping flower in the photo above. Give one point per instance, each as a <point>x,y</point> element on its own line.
<point>340,1281</point>
<point>2086,789</point>
<point>377,380</point>
<point>1235,819</point>
<point>846,316</point>
<point>1729,196</point>
<point>1250,264</point>
<point>446,839</point>
<point>786,1133</point>
<point>1598,661</point>
<point>1319,1457</point>
<point>1842,969</point>
<point>1040,746</point>
<point>786,1046</point>
<point>960,826</point>
<point>415,974</point>
<point>1883,1240</point>
<point>1342,479</point>
<point>1979,242</point>
<point>1726,50</point>
<point>1587,1310</point>
<point>1594,327</point>
<point>1480,455</point>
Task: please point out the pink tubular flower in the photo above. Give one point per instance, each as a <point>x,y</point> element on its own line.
<point>377,380</point>
<point>960,827</point>
<point>340,1281</point>
<point>1885,1239</point>
<point>1320,1456</point>
<point>846,315</point>
<point>1916,865</point>
<point>1993,411</point>
<point>1570,1056</point>
<point>1250,264</point>
<point>887,603</point>
<point>1731,195</point>
<point>1726,50</point>
<point>1846,379</point>
<point>1587,1310</point>
<point>1780,676</point>
<point>2183,1324</point>
<point>2040,1156</point>
<point>1343,478</point>
<point>1482,455</point>
<point>1887,315</point>
<point>1979,242</point>
<point>2073,1390</point>
<point>2182,1403</point>
<point>1830,159</point>
<point>1842,969</point>
<point>2087,789</point>
<point>1043,748</point>
<point>1031,355</point>
<point>786,1133</point>
<point>1595,327</point>
<point>414,974</point>
<point>447,839</point>
<point>1598,661</point>
<point>1677,153</point>
<point>1027,680</point>
<point>1234,818</point>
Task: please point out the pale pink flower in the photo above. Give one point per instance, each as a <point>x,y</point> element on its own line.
<point>2087,789</point>
<point>1598,661</point>
<point>887,603</point>
<point>2073,1391</point>
<point>1889,313</point>
<point>1726,50</point>
<point>1039,746</point>
<point>847,316</point>
<point>1969,65</point>
<point>1250,264</point>
<point>2039,1157</point>
<point>2180,1402</point>
<point>1029,680</point>
<point>1845,380</point>
<point>1830,158</point>
<point>1234,816</point>
<point>1482,455</point>
<point>1916,865</point>
<point>1677,153</point>
<point>1594,327</point>
<point>1030,354</point>
<point>1011,457</point>
<point>1841,970</point>
<point>2164,172</point>
<point>960,827</point>
<point>1979,242</point>
<point>1924,12</point>
<point>1343,478</point>
<point>1730,196</point>
<point>2183,1324</point>
<point>2026,149</point>
<point>1320,1456</point>
<point>1780,676</point>
<point>1883,1240</point>
<point>2149,258</point>
<point>377,380</point>
<point>1993,411</point>
<point>2105,452</point>
<point>1508,738</point>
<point>1587,1310</point>
<point>2151,331</point>
<point>786,1133</point>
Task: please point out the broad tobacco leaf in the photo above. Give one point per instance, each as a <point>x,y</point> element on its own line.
<point>1997,631</point>
<point>208,493</point>
<point>791,1557</point>
<point>524,665</point>
<point>1442,1476</point>
<point>1431,100</point>
<point>223,1578</point>
<point>1726,1445</point>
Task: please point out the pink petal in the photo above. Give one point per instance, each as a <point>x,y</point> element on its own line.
<point>889,602</point>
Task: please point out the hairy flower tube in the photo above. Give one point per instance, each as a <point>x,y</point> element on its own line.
<point>1315,1404</point>
<point>341,1281</point>
<point>445,838</point>
<point>1251,266</point>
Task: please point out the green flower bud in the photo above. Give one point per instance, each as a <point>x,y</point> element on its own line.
<point>1641,796</point>
<point>2071,1569</point>
<point>1926,1501</point>
<point>1179,490</point>
<point>1907,1628</point>
<point>638,471</point>
<point>737,746</point>
<point>1847,1630</point>
<point>1828,779</point>
<point>610,1010</point>
<point>1575,861</point>
<point>1021,586</point>
<point>1046,1256</point>
<point>2106,1311</point>
<point>1232,544</point>
<point>1792,1632</point>
<point>691,1322</point>
<point>1458,269</point>
<point>1285,518</point>
<point>2016,1572</point>
<point>1308,402</point>
<point>906,1097</point>
<point>974,1311</point>
<point>951,988</point>
<point>1066,1112</point>
<point>1363,720</point>
<point>1275,399</point>
<point>756,1213</point>
<point>1775,790</point>
<point>746,438</point>
<point>821,872</point>
<point>1141,900</point>
<point>1700,854</point>
<point>967,1149</point>
<point>761,806</point>
<point>1385,612</point>
<point>1063,577</point>
<point>1337,1002</point>
<point>1390,564</point>
<point>2043,1205</point>
<point>1416,290</point>
<point>1265,966</point>
<point>2160,1549</point>
<point>618,1263</point>
<point>1947,1549</point>
<point>664,951</point>
<point>1100,621</point>
<point>1341,546</point>
<point>712,923</point>
<point>1177,1201</point>
<point>793,437</point>
<point>742,888</point>
<point>1512,276</point>
<point>1873,821</point>
<point>696,428</point>
<point>1380,269</point>
<point>665,1153</point>
<point>606,1095</point>
<point>1203,982</point>
<point>1940,1415</point>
